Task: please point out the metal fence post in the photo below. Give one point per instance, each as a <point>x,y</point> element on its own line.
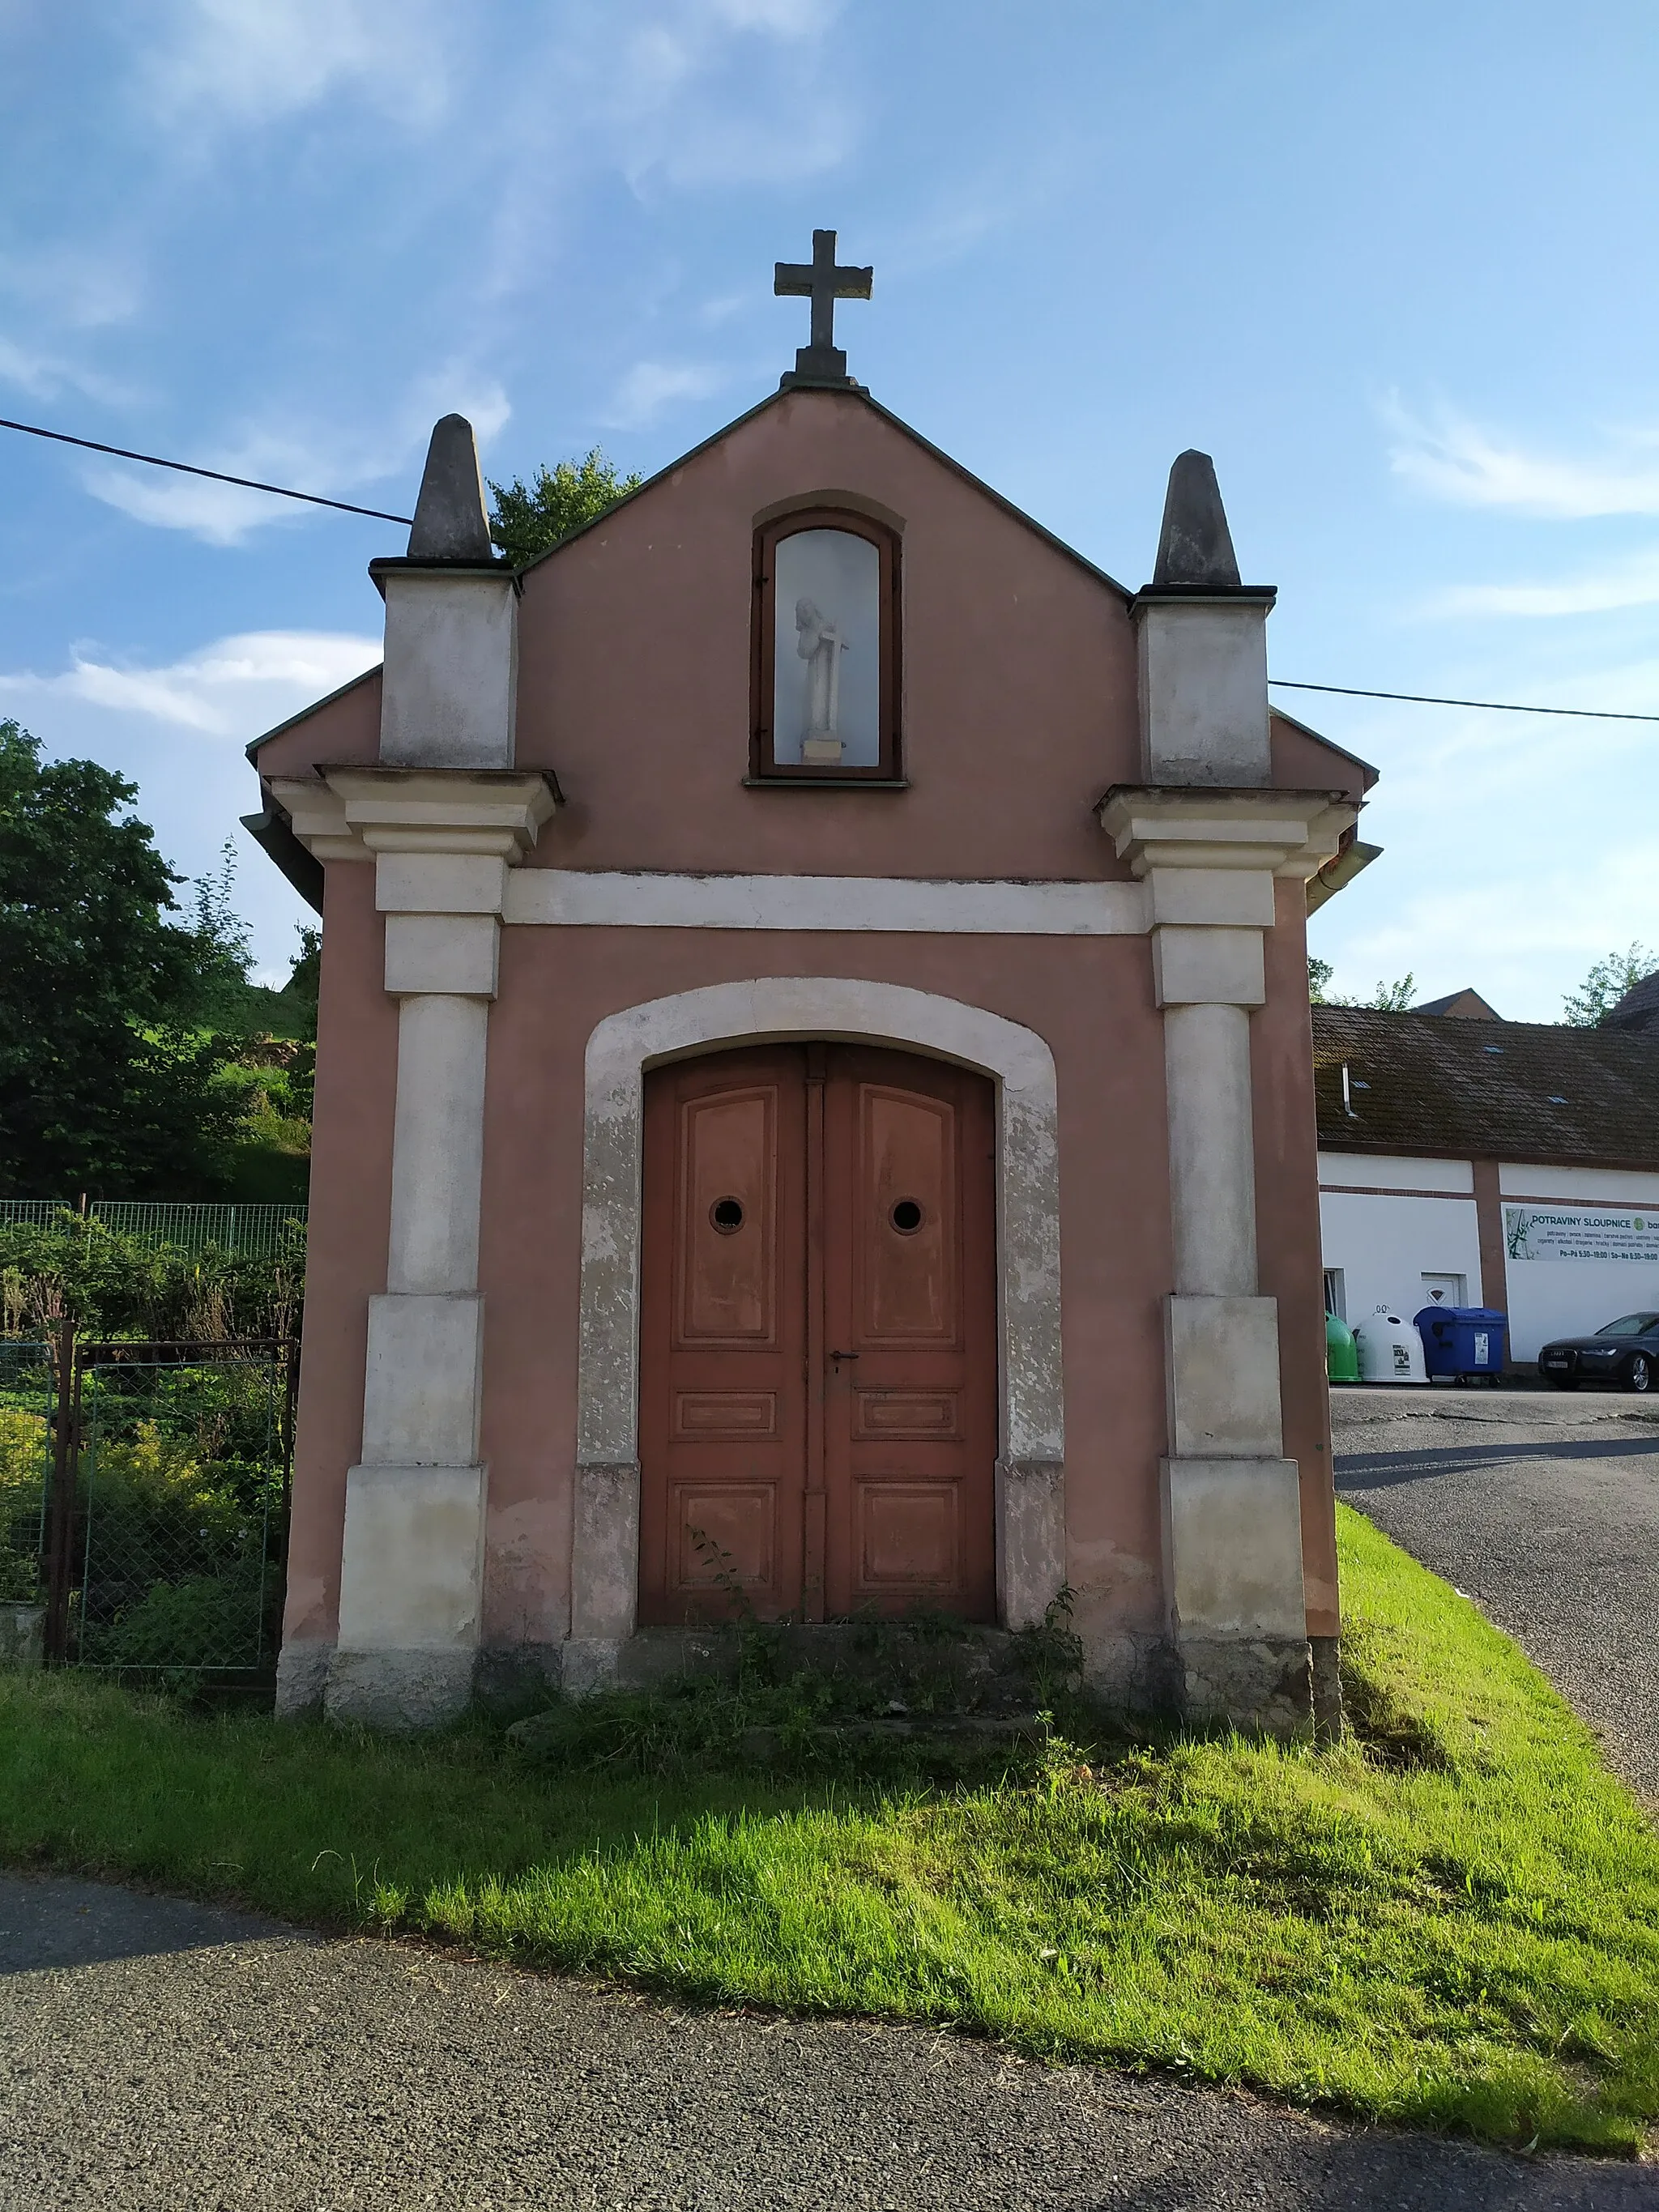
<point>60,1513</point>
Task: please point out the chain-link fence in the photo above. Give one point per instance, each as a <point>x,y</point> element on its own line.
<point>253,1230</point>
<point>171,1538</point>
<point>27,1392</point>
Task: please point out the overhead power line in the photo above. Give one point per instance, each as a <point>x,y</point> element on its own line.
<point>379,514</point>
<point>1491,705</point>
<point>190,468</point>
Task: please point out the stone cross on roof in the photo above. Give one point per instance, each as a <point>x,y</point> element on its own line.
<point>820,281</point>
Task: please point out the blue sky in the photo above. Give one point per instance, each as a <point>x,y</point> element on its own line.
<point>1394,267</point>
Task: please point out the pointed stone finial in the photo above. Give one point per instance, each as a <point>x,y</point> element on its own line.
<point>450,520</point>
<point>1196,546</point>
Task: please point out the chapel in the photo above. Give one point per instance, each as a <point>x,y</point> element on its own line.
<point>815,1098</point>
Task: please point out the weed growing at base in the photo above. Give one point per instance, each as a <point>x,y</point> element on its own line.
<point>1451,1919</point>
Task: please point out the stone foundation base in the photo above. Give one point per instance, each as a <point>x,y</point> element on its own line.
<point>1263,1686</point>
<point>400,1690</point>
<point>969,1669</point>
<point>516,1678</point>
<point>1270,1686</point>
<point>302,1680</point>
<point>1138,1673</point>
<point>23,1635</point>
<point>1325,1652</point>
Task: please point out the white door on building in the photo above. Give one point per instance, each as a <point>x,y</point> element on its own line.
<point>1445,1289</point>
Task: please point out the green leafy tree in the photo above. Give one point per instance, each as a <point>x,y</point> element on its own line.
<point>532,518</point>
<point>1588,1006</point>
<point>1396,997</point>
<point>107,1082</point>
<point>1388,998</point>
<point>224,952</point>
<point>306,970</point>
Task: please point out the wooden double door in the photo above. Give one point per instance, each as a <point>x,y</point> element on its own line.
<point>818,1403</point>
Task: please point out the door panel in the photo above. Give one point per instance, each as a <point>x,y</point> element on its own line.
<point>905,1255</point>
<point>818,1336</point>
<point>909,1538</point>
<point>722,1399</point>
<point>911,1296</point>
<point>727,1250</point>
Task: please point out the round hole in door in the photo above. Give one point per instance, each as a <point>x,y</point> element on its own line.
<point>906,1217</point>
<point>726,1214</point>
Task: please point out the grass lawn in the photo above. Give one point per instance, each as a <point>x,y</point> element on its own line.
<point>1450,1921</point>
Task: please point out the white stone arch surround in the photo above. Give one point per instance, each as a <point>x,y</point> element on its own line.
<point>1030,1483</point>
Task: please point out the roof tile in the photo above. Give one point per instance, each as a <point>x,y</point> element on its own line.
<point>1514,1090</point>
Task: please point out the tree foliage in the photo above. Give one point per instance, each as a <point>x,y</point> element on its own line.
<point>1389,998</point>
<point>532,518</point>
<point>1588,1006</point>
<point>108,1079</point>
<point>110,1284</point>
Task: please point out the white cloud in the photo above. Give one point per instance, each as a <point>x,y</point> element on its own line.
<point>329,460</point>
<point>697,92</point>
<point>1456,460</point>
<point>44,375</point>
<point>234,688</point>
<point>453,391</point>
<point>786,19</point>
<point>232,63</point>
<point>651,386</point>
<point>1486,934</point>
<point>1633,583</point>
<point>220,515</point>
<point>73,284</point>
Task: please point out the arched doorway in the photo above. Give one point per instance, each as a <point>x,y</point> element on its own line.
<point>818,1341</point>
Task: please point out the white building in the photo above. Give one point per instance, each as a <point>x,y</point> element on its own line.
<point>1480,1162</point>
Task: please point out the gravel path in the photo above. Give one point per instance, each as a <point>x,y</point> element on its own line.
<point>1545,1508</point>
<point>171,2057</point>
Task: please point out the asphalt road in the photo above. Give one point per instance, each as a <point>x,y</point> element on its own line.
<point>171,2057</point>
<point>1544,1507</point>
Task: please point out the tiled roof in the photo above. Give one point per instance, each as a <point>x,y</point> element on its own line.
<point>1514,1091</point>
<point>1640,1003</point>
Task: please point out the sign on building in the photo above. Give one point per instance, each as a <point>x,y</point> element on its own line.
<point>1549,1232</point>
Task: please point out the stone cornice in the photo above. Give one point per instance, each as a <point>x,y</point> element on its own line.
<point>356,813</point>
<point>1285,833</point>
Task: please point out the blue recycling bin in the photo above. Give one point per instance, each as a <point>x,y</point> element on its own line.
<point>1460,1341</point>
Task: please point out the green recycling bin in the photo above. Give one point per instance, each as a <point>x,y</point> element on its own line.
<point>1341,1353</point>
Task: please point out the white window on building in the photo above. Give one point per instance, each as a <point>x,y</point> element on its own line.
<point>1335,1296</point>
<point>1445,1289</point>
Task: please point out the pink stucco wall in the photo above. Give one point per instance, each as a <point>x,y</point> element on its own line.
<point>1019,712</point>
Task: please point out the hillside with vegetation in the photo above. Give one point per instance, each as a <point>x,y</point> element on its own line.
<point>138,1059</point>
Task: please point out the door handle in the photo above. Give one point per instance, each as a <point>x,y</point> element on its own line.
<point>843,1355</point>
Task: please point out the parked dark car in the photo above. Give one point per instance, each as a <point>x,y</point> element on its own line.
<point>1626,1351</point>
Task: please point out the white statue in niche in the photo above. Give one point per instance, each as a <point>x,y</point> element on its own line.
<point>826,667</point>
<point>820,644</point>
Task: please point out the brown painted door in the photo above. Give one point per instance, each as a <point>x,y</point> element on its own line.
<point>910,1304</point>
<point>818,1417</point>
<point>722,1324</point>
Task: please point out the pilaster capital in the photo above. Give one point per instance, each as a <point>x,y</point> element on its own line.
<point>443,838</point>
<point>1161,827</point>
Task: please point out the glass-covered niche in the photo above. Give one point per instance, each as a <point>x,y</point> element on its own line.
<point>826,591</point>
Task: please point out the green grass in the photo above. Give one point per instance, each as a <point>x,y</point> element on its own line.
<point>1451,1921</point>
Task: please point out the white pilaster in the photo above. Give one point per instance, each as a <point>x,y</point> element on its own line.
<point>1231,1518</point>
<point>411,1577</point>
<point>437,1154</point>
